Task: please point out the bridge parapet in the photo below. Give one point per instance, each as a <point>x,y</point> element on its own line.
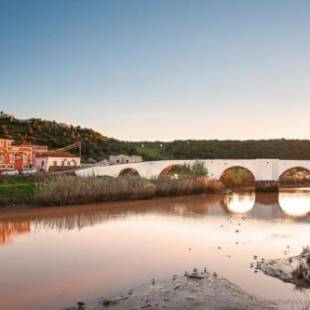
<point>262,169</point>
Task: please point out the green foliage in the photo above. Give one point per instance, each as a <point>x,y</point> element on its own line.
<point>198,168</point>
<point>151,152</point>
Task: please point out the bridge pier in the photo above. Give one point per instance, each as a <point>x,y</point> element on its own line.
<point>267,186</point>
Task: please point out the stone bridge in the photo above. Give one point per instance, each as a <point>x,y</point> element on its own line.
<point>262,169</point>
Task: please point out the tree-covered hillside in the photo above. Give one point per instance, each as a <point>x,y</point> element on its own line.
<point>36,131</point>
<point>96,147</point>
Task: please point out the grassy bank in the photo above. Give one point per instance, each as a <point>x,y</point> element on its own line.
<point>65,190</point>
<point>16,189</point>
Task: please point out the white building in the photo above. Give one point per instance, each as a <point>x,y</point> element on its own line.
<point>56,160</point>
<point>124,159</point>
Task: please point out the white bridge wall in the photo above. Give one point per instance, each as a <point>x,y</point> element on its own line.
<point>262,169</point>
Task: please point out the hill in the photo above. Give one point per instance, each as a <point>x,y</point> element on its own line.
<point>96,147</point>
<point>37,131</point>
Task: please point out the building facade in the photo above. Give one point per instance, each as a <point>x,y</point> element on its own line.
<point>124,159</point>
<point>14,157</point>
<point>56,161</point>
<point>25,156</point>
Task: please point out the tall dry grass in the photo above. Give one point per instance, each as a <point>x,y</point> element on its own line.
<point>187,186</point>
<point>63,190</point>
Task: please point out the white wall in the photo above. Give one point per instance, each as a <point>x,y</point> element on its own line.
<point>262,169</point>
<point>49,162</point>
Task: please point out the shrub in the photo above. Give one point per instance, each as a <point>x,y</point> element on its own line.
<point>198,168</point>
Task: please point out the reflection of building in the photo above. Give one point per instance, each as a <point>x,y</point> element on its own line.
<point>124,159</point>
<point>15,157</point>
<point>9,229</point>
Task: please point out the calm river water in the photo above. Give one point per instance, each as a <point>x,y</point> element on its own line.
<point>53,257</point>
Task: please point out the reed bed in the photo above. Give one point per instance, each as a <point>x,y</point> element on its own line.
<point>187,186</point>
<point>64,190</point>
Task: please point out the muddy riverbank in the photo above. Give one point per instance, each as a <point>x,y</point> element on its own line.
<point>295,269</point>
<point>192,291</point>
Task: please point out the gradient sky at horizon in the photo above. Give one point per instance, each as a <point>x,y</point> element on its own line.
<point>165,69</point>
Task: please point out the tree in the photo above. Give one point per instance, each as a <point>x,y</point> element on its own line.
<point>3,131</point>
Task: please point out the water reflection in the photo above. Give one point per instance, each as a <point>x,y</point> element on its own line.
<point>82,252</point>
<point>240,202</point>
<point>10,229</point>
<point>295,203</point>
<point>260,206</point>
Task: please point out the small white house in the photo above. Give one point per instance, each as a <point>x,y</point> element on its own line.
<point>124,159</point>
<point>56,160</point>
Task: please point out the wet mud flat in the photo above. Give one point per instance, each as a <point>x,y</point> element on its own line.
<point>192,291</point>
<point>295,269</point>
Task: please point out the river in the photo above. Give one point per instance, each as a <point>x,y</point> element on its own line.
<point>53,257</point>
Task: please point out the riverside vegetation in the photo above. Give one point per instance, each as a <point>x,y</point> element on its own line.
<point>48,189</point>
<point>55,189</point>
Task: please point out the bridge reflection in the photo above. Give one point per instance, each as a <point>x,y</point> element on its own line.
<point>295,203</point>
<point>240,203</point>
<point>288,204</point>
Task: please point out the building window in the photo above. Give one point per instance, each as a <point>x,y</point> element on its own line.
<point>54,163</point>
<point>42,163</point>
<point>62,162</point>
<point>74,162</point>
<point>69,164</point>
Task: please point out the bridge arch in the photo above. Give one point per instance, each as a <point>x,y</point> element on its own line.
<point>236,176</point>
<point>297,174</point>
<point>175,170</point>
<point>128,172</point>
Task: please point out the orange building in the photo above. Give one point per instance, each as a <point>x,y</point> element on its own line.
<point>15,157</point>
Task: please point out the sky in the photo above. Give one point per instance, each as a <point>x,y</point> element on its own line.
<point>160,70</point>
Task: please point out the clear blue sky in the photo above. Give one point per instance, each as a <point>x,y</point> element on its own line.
<point>165,70</point>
